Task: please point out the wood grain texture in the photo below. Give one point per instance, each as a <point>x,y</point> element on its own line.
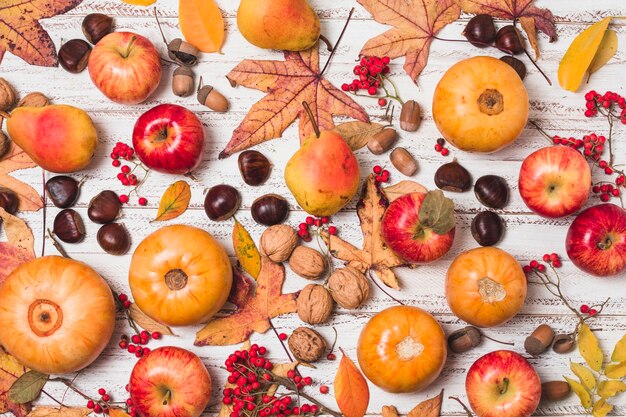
<point>527,236</point>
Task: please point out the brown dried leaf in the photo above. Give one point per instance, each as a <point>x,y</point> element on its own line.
<point>142,320</point>
<point>428,408</point>
<point>267,303</point>
<point>117,412</point>
<point>11,257</point>
<point>389,411</point>
<point>416,22</point>
<point>287,83</point>
<point>357,133</point>
<point>60,412</point>
<point>403,187</point>
<point>10,371</point>
<point>174,201</point>
<point>22,34</point>
<point>18,232</point>
<point>16,159</point>
<point>375,255</point>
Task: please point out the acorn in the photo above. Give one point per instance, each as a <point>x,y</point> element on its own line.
<point>480,31</point>
<point>509,40</point>
<point>492,191</point>
<point>487,228</point>
<point>74,55</point>
<point>563,343</point>
<point>213,99</point>
<point>453,177</point>
<point>68,226</point>
<point>270,209</point>
<point>8,200</point>
<point>182,82</point>
<point>410,116</point>
<point>62,190</point>
<point>382,141</point>
<point>464,339</point>
<point>114,239</point>
<point>254,167</point>
<point>540,340</point>
<point>183,52</point>
<point>104,207</point>
<point>221,202</point>
<point>96,26</point>
<point>555,390</point>
<point>516,64</point>
<point>403,161</point>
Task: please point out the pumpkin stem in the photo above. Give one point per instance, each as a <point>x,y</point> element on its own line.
<point>176,279</point>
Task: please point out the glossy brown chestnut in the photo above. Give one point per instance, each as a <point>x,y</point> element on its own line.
<point>68,226</point>
<point>114,239</point>
<point>254,167</point>
<point>492,191</point>
<point>516,64</point>
<point>8,200</point>
<point>96,26</point>
<point>74,55</point>
<point>480,31</point>
<point>453,177</point>
<point>221,202</point>
<point>487,228</point>
<point>62,190</point>
<point>105,207</point>
<point>509,41</point>
<point>270,209</point>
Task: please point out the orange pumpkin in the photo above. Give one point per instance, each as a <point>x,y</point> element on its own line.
<point>402,349</point>
<point>480,104</point>
<point>485,286</point>
<point>180,275</point>
<point>57,314</point>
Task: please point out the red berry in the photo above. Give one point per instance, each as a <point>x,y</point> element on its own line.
<point>615,192</point>
<point>143,201</point>
<point>291,373</point>
<point>385,60</point>
<point>382,102</point>
<point>438,148</point>
<point>445,152</point>
<point>546,258</point>
<point>331,356</point>
<point>282,336</point>
<point>345,87</point>
<point>122,297</point>
<point>584,308</point>
<point>593,312</point>
<point>102,391</point>
<point>314,409</point>
<point>332,230</point>
<point>126,304</point>
<point>125,169</point>
<point>377,169</point>
<point>605,197</point>
<point>90,404</point>
<point>307,237</point>
<point>123,199</point>
<point>608,170</point>
<point>378,178</point>
<point>123,344</point>
<point>135,339</point>
<point>556,264</point>
<point>309,220</point>
<point>106,398</point>
<point>116,163</point>
<point>527,268</point>
<point>156,335</point>
<point>324,389</point>
<point>97,408</point>
<point>307,380</point>
<point>371,91</point>
<point>541,268</point>
<point>554,257</point>
<point>534,264</point>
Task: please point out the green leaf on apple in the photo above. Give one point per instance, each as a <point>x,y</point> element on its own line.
<point>437,213</point>
<point>27,387</point>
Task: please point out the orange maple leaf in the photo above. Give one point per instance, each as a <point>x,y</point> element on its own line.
<point>22,34</point>
<point>416,22</point>
<point>11,256</point>
<point>15,159</point>
<point>288,84</point>
<point>10,370</point>
<point>254,315</point>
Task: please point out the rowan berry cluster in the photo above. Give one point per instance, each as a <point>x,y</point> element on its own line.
<point>137,342</point>
<point>126,176</point>
<point>382,175</point>
<point>585,309</point>
<point>315,224</point>
<point>371,73</point>
<point>608,104</point>
<point>549,258</point>
<point>440,147</point>
<point>101,405</point>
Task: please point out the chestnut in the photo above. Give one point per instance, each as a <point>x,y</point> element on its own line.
<point>96,26</point>
<point>254,167</point>
<point>492,191</point>
<point>62,190</point>
<point>68,226</point>
<point>74,55</point>
<point>487,228</point>
<point>8,200</point>
<point>480,31</point>
<point>516,64</point>
<point>114,239</point>
<point>453,177</point>
<point>270,209</point>
<point>105,207</point>
<point>221,202</point>
<point>509,40</point>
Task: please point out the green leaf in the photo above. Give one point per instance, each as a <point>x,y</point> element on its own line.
<point>589,348</point>
<point>586,377</point>
<point>27,387</point>
<point>608,389</point>
<point>616,370</point>
<point>619,353</point>
<point>601,408</point>
<point>580,390</point>
<point>437,212</point>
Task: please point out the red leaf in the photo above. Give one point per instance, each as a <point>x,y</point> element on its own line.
<point>10,370</point>
<point>241,290</point>
<point>11,257</point>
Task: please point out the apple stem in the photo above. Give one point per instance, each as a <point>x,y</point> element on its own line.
<point>309,113</point>
<point>332,52</point>
<point>605,244</point>
<point>168,395</point>
<point>130,45</point>
<point>503,386</point>
<point>497,341</point>
<point>467,410</point>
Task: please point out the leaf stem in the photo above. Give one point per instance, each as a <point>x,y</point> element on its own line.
<point>369,274</point>
<point>332,53</point>
<point>467,410</point>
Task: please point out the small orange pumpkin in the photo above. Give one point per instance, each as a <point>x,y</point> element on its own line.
<point>180,275</point>
<point>402,349</point>
<point>485,286</point>
<point>57,314</point>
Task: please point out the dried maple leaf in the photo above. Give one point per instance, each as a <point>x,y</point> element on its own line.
<point>241,290</point>
<point>18,232</point>
<point>416,22</point>
<point>254,316</point>
<point>288,83</point>
<point>375,255</point>
<point>142,320</point>
<point>428,408</point>
<point>10,371</point>
<point>531,17</point>
<point>63,412</point>
<point>15,159</point>
<point>22,34</point>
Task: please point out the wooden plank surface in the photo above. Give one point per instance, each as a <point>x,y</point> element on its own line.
<point>527,236</point>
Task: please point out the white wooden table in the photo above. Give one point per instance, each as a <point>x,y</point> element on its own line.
<point>528,236</point>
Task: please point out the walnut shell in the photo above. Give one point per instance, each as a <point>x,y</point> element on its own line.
<point>315,304</point>
<point>35,99</point>
<point>306,344</point>
<point>349,287</point>
<point>7,95</point>
<point>308,263</point>
<point>278,242</point>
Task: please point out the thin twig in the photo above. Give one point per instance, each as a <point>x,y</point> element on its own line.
<point>332,53</point>
<point>369,274</point>
<point>43,230</point>
<point>467,410</point>
<point>281,342</point>
<point>71,386</point>
<point>57,245</point>
<point>51,397</point>
<point>537,66</point>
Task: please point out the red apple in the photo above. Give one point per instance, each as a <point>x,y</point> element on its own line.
<point>596,240</point>
<point>403,233</point>
<point>170,382</point>
<point>503,384</point>
<point>555,181</point>
<point>169,138</point>
<point>125,67</point>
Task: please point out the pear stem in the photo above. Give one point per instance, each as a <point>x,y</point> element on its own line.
<point>332,53</point>
<point>316,128</point>
<point>329,46</point>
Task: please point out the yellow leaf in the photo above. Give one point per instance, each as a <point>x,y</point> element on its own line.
<point>601,408</point>
<point>580,54</point>
<point>202,24</point>
<point>174,202</point>
<point>608,389</point>
<point>589,348</point>
<point>142,320</point>
<point>619,353</point>
<point>246,250</point>
<point>608,48</point>
<point>139,2</point>
<point>351,389</point>
<point>586,377</point>
<point>581,391</point>
<point>59,412</point>
<point>616,370</point>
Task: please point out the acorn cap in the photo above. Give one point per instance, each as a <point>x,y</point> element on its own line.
<point>204,92</point>
<point>183,71</point>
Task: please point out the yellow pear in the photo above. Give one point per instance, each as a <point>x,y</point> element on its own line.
<point>323,175</point>
<point>290,25</point>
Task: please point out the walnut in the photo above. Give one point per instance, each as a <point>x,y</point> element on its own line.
<point>277,242</point>
<point>315,304</point>
<point>306,344</point>
<point>349,287</point>
<point>35,99</point>
<point>7,95</point>
<point>308,263</point>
